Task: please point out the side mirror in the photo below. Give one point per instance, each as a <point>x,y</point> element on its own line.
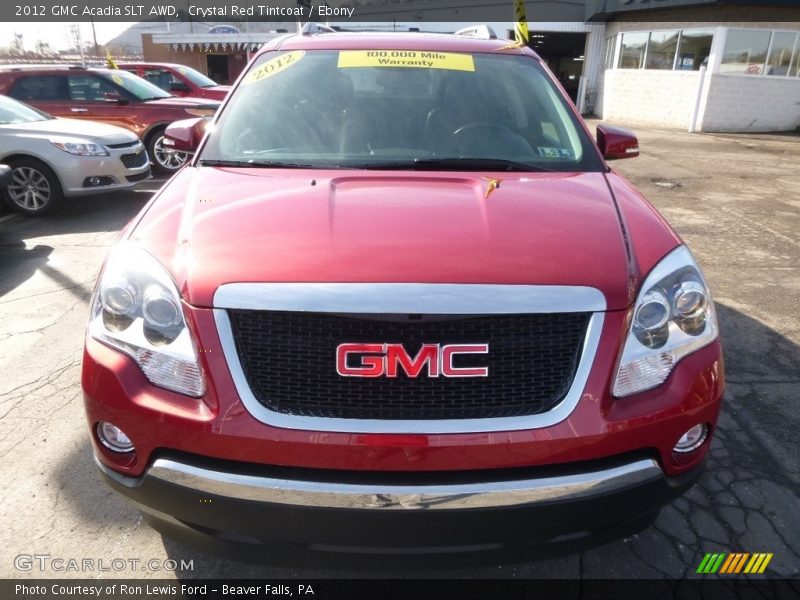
<point>615,142</point>
<point>179,86</point>
<point>5,176</point>
<point>115,98</point>
<point>185,135</point>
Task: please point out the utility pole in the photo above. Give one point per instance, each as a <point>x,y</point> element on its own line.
<point>94,37</point>
<point>76,34</point>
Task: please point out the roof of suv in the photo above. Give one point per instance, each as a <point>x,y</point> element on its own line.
<point>160,65</point>
<point>51,67</point>
<point>437,42</point>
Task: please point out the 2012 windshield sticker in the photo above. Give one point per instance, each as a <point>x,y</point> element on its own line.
<point>406,58</point>
<point>273,66</point>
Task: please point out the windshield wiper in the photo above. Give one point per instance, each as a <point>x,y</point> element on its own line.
<point>456,164</point>
<point>206,162</point>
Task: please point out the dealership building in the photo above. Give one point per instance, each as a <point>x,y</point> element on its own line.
<point>701,65</point>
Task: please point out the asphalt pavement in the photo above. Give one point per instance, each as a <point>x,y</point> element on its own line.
<point>734,199</point>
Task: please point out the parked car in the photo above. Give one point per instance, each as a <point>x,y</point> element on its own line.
<point>52,158</point>
<point>108,96</point>
<point>416,313</point>
<point>178,80</point>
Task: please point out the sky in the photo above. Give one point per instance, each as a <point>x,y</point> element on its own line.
<point>57,34</point>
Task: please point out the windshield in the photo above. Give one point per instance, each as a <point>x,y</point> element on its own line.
<point>196,77</point>
<point>399,109</point>
<point>140,88</point>
<point>12,111</point>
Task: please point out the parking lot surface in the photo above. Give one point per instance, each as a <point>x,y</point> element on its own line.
<point>734,199</point>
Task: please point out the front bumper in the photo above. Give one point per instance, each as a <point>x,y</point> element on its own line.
<point>208,470</point>
<point>247,509</point>
<point>77,172</point>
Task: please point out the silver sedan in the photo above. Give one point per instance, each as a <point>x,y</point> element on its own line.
<point>55,158</point>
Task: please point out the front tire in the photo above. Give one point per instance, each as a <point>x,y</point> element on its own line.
<point>34,189</point>
<point>164,160</point>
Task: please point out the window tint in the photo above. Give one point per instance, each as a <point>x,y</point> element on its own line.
<point>87,88</point>
<point>780,56</point>
<point>161,78</point>
<point>196,77</point>
<point>133,84</point>
<point>631,55</point>
<point>661,49</point>
<point>694,49</point>
<point>745,51</point>
<point>40,87</point>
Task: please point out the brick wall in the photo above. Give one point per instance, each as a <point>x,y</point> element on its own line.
<point>164,53</point>
<point>649,97</point>
<point>742,103</point>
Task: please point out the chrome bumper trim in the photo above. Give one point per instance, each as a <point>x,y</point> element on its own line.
<point>405,298</point>
<point>316,494</point>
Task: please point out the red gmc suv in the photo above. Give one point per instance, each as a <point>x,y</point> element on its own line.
<point>398,302</point>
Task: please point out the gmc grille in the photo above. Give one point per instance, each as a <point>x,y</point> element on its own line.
<point>289,360</point>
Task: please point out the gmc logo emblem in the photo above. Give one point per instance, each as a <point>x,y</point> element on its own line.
<point>378,360</point>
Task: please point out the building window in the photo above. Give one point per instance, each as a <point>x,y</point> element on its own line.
<point>745,51</point>
<point>611,48</point>
<point>661,50</point>
<point>694,49</point>
<point>634,48</point>
<point>685,50</point>
<point>782,52</point>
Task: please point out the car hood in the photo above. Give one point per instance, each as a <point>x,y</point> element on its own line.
<point>217,91</point>
<point>97,132</point>
<point>212,226</point>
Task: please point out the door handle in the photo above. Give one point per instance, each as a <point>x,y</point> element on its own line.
<point>78,110</point>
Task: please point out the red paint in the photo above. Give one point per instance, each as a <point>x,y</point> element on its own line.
<point>537,228</point>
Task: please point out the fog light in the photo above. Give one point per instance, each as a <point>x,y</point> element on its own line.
<point>113,438</point>
<point>692,439</point>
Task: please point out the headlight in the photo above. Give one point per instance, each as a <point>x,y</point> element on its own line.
<point>137,309</point>
<point>80,147</point>
<point>674,316</point>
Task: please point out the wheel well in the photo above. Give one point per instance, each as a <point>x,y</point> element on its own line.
<point>153,131</point>
<point>18,156</point>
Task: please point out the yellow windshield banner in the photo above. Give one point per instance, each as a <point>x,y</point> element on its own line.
<point>273,66</point>
<point>406,58</point>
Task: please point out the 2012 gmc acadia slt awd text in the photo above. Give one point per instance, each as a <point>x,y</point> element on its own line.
<point>398,302</point>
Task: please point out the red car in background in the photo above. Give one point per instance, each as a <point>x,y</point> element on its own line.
<point>408,309</point>
<point>111,96</point>
<point>178,80</point>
